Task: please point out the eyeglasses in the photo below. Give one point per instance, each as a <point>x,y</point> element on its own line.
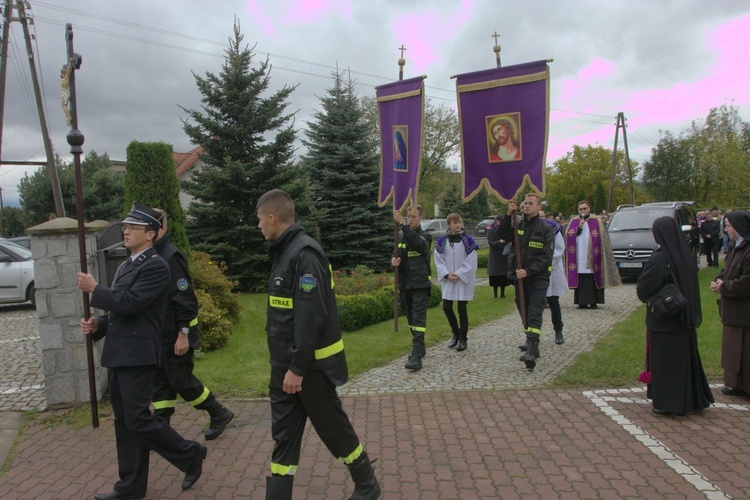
<point>131,227</point>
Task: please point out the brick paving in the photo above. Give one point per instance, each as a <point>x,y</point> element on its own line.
<point>469,425</point>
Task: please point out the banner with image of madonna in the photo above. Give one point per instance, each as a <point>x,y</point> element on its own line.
<point>503,117</point>
<point>401,118</point>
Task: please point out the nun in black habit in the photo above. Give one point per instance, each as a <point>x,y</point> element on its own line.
<point>678,382</point>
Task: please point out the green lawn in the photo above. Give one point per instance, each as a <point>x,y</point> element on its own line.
<point>241,368</point>
<point>619,356</point>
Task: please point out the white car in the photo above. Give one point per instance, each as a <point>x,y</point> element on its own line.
<point>16,273</point>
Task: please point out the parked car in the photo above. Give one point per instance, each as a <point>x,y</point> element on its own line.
<point>24,241</point>
<point>16,273</point>
<point>435,227</point>
<point>482,227</point>
<point>630,233</point>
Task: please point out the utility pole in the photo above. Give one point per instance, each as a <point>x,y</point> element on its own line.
<point>23,18</point>
<point>56,192</point>
<point>620,124</point>
<point>7,10</point>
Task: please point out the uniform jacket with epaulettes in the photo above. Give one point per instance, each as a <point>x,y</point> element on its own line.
<point>135,304</point>
<point>302,317</point>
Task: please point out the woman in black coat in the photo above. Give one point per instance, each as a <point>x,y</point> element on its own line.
<point>497,263</point>
<point>678,383</point>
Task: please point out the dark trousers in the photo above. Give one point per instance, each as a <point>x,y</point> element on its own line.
<point>137,431</point>
<point>461,329</point>
<point>712,251</point>
<point>535,296</point>
<point>415,303</point>
<point>554,308</point>
<point>317,401</point>
<point>173,377</point>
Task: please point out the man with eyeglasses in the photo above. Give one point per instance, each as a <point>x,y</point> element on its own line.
<point>591,265</point>
<point>135,306</point>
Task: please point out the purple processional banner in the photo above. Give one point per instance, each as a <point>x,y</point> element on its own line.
<point>503,116</point>
<point>401,115</point>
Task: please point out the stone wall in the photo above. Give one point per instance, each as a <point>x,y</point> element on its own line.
<point>59,305</point>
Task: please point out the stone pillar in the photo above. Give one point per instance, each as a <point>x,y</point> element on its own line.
<point>59,305</point>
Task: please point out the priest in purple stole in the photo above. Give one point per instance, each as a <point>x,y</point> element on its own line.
<point>590,264</point>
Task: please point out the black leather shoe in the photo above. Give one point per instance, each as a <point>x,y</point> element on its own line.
<point>732,391</point>
<point>522,347</point>
<point>657,411</point>
<point>195,470</point>
<point>116,495</point>
<point>582,306</point>
<point>559,339</point>
<point>461,345</point>
<point>454,342</point>
<point>594,306</point>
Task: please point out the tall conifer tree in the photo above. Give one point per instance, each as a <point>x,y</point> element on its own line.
<point>345,175</point>
<point>248,143</point>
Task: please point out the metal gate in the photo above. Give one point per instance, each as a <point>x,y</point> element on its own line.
<point>110,252</point>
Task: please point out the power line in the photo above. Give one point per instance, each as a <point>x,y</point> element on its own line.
<point>21,77</point>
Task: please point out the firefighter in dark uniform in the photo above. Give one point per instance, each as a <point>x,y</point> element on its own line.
<point>179,338</point>
<point>413,264</point>
<point>136,304</point>
<point>307,353</point>
<point>536,240</point>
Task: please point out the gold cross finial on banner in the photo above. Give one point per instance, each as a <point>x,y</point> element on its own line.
<point>495,36</point>
<point>402,49</point>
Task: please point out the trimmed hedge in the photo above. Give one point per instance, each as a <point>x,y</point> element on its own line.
<point>482,259</point>
<point>358,311</point>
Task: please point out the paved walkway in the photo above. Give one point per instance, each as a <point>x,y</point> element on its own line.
<point>469,425</point>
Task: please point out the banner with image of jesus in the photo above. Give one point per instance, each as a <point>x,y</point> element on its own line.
<point>503,117</point>
<point>401,117</point>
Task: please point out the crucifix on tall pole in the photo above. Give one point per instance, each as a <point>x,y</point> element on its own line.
<point>75,140</point>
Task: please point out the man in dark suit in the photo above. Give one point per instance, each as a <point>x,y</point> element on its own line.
<point>136,304</point>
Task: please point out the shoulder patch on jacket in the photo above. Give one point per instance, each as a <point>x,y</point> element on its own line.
<point>307,283</point>
<point>182,284</point>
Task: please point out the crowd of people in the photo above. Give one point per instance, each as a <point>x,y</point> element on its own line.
<point>151,331</point>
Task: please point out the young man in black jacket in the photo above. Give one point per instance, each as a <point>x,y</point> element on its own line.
<point>179,338</point>
<point>413,264</point>
<point>536,245</point>
<point>307,353</point>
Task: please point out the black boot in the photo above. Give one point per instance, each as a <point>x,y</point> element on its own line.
<point>454,341</point>
<point>414,362</point>
<point>279,487</point>
<point>525,348</point>
<point>462,341</point>
<point>559,339</point>
<point>532,353</point>
<point>220,417</point>
<point>366,486</point>
<point>419,344</point>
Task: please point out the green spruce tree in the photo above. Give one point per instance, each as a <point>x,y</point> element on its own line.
<point>345,174</point>
<point>248,143</point>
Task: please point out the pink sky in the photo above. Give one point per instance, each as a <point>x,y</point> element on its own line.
<point>673,107</point>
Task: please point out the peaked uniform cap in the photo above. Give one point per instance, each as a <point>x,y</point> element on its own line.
<point>142,215</point>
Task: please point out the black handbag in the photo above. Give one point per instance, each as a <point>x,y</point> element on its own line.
<point>668,301</point>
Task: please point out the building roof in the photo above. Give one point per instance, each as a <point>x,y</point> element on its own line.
<point>185,161</point>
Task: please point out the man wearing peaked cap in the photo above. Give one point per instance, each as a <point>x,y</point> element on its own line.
<point>135,306</point>
<point>142,215</point>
